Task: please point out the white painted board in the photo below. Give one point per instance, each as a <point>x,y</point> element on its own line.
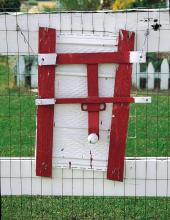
<point>143,177</point>
<point>70,136</point>
<point>104,25</point>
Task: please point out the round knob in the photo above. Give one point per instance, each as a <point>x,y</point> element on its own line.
<point>93,138</point>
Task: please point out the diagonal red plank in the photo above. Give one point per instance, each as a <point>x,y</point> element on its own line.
<point>120,112</point>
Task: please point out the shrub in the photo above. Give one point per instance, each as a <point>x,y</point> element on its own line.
<point>10,5</point>
<point>32,2</point>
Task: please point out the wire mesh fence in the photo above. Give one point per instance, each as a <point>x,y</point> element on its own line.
<point>84,193</point>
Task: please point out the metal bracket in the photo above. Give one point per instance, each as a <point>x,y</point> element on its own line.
<point>142,99</point>
<point>45,101</point>
<point>137,57</point>
<point>47,59</point>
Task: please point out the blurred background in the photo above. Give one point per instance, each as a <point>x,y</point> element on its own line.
<point>35,6</point>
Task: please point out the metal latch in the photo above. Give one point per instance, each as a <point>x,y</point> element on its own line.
<point>45,101</point>
<point>142,99</point>
<point>137,57</point>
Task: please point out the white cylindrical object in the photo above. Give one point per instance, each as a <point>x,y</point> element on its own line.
<point>93,138</point>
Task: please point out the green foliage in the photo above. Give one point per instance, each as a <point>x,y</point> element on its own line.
<point>121,4</point>
<point>78,5</point>
<point>10,5</point>
<point>33,2</point>
<point>149,4</point>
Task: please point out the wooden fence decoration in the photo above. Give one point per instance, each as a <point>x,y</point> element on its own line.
<point>86,32</point>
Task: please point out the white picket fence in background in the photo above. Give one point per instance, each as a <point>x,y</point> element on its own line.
<point>150,75</point>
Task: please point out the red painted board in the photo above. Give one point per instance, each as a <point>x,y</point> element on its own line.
<point>93,58</point>
<point>45,114</point>
<point>93,116</point>
<point>120,112</point>
<point>94,100</point>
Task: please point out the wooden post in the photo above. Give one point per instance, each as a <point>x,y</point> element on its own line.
<point>45,114</point>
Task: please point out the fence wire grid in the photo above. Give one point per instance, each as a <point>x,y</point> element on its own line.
<point>145,194</point>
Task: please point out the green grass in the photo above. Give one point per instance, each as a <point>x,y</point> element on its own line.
<point>148,135</point>
<point>17,117</point>
<point>78,208</point>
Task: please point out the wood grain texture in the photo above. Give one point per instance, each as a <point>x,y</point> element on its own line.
<point>120,113</point>
<point>45,114</point>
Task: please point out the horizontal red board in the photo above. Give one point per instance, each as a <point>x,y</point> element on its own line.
<point>93,58</point>
<point>94,100</point>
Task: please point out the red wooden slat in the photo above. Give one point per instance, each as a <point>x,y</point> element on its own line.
<point>120,113</point>
<point>45,114</point>
<point>93,100</point>
<point>93,116</point>
<point>93,58</point>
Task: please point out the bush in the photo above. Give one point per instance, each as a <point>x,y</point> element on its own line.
<point>80,5</point>
<point>10,5</point>
<point>47,6</point>
<point>32,2</point>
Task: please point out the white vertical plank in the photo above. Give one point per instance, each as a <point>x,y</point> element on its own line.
<point>151,188</point>
<point>32,23</point>
<point>2,22</point>
<point>16,187</point>
<point>98,22</point>
<point>6,186</point>
<point>67,187</point>
<point>164,75</point>
<point>36,186</point>
<point>150,75</point>
<point>87,22</point>
<point>65,19</point>
<point>34,75</point>
<point>162,188</point>
<point>46,186</point>
<point>140,187</point>
<point>110,23</point>
<point>20,71</point>
<point>26,186</point>
<point>129,187</point>
<point>55,21</point>
<point>43,20</point>
<point>77,22</point>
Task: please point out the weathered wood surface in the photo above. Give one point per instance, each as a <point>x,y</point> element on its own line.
<point>45,114</point>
